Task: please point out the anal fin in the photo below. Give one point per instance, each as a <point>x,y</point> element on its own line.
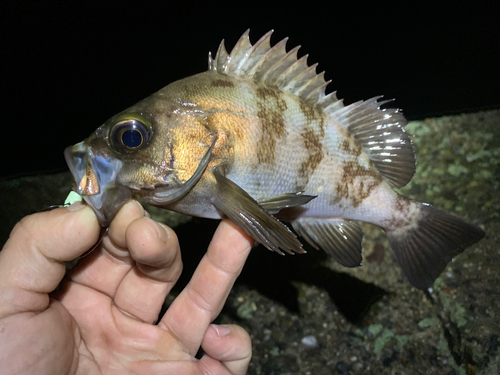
<point>246,213</point>
<point>338,237</point>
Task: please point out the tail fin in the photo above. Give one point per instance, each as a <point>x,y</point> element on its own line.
<point>425,248</point>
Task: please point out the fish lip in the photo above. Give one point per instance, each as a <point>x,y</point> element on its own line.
<point>104,196</point>
<point>77,165</point>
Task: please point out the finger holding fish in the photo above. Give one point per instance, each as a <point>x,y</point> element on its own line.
<point>200,302</point>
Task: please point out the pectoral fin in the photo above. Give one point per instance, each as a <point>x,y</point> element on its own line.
<point>339,238</point>
<point>278,202</point>
<point>245,212</point>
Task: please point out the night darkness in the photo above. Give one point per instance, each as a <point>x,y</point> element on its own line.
<point>66,68</point>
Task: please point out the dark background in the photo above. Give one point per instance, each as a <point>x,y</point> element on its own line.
<point>67,67</point>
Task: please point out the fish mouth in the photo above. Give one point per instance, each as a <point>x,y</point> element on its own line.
<point>95,178</point>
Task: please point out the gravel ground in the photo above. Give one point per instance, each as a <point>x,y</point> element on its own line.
<point>307,314</point>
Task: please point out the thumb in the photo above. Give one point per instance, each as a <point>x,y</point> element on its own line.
<point>33,258</point>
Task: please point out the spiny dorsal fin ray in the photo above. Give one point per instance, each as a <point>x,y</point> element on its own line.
<point>379,131</point>
<point>272,65</point>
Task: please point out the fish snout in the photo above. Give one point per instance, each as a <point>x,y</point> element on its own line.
<point>79,162</point>
<point>95,178</point>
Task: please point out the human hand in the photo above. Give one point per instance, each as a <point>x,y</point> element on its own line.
<point>102,319</point>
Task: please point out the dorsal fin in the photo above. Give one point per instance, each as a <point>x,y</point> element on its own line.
<point>381,135</point>
<point>274,66</point>
<point>379,131</point>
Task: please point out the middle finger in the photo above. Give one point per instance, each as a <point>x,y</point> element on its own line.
<point>158,265</point>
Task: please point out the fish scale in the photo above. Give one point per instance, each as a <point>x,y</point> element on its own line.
<point>256,138</point>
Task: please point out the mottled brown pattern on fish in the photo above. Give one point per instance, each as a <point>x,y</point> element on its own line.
<point>308,111</point>
<point>401,204</point>
<point>314,148</point>
<point>350,146</point>
<point>313,115</point>
<point>322,125</point>
<point>356,183</point>
<point>402,213</point>
<point>222,83</point>
<point>405,214</point>
<point>271,109</point>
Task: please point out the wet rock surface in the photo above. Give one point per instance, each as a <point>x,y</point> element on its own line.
<point>307,314</point>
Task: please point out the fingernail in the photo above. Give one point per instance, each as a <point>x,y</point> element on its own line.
<point>140,207</point>
<point>87,216</point>
<point>163,233</point>
<point>76,206</point>
<point>222,330</point>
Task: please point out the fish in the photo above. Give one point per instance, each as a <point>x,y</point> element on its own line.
<point>256,139</point>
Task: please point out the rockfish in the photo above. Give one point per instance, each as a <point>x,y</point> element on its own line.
<point>255,138</point>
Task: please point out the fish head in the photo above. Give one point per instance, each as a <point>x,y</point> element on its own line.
<point>151,151</point>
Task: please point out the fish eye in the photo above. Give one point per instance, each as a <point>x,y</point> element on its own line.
<point>129,133</point>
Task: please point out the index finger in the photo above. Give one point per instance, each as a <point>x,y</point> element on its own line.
<point>203,298</point>
<point>32,260</point>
